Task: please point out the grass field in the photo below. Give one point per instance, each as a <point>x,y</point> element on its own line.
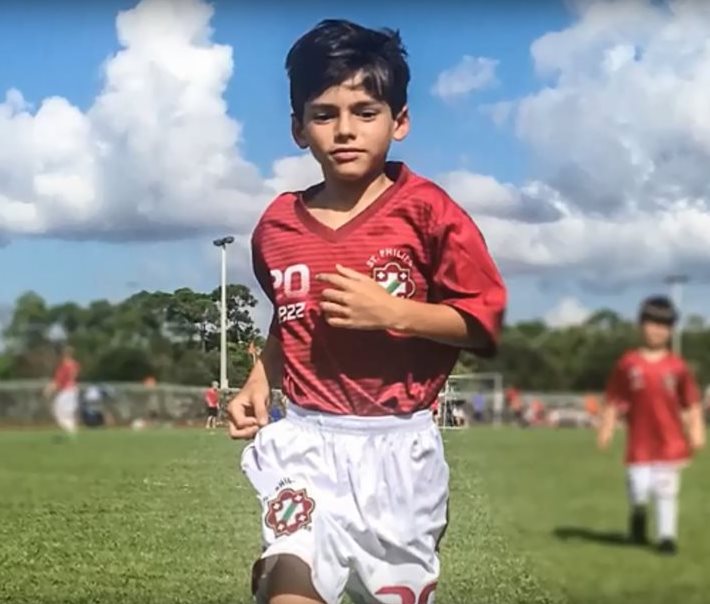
<point>164,516</point>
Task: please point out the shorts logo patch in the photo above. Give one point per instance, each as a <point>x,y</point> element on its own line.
<point>289,511</point>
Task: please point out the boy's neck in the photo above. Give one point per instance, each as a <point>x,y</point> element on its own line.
<point>342,195</point>
<point>654,354</point>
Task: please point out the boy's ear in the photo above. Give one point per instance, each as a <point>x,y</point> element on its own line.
<point>401,125</point>
<point>297,132</point>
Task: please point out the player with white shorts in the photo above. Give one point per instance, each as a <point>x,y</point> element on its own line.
<point>656,392</point>
<point>65,392</point>
<point>378,279</point>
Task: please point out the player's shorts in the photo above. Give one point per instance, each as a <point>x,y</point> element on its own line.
<point>212,411</point>
<point>363,501</point>
<point>658,479</point>
<point>65,407</point>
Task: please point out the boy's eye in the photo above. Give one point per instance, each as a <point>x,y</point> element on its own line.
<point>368,113</point>
<point>321,116</point>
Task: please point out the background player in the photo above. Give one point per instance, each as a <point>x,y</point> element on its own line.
<point>64,390</point>
<point>212,405</point>
<point>658,394</point>
<point>378,279</point>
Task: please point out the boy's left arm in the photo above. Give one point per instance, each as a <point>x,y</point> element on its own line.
<point>695,423</point>
<point>691,400</point>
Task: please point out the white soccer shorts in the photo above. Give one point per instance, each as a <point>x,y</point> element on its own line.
<point>656,480</point>
<point>361,500</point>
<point>64,409</point>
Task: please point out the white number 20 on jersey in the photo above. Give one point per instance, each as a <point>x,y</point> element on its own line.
<point>295,280</point>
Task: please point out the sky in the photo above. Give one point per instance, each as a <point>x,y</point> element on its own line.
<point>575,132</point>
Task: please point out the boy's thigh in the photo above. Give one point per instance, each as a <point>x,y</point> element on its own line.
<point>665,480</point>
<point>396,561</point>
<point>405,584</point>
<point>639,483</point>
<point>296,498</point>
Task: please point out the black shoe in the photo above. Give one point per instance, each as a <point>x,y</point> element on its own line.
<point>637,527</point>
<point>668,547</point>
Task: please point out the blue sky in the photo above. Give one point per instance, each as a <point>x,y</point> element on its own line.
<point>58,49</point>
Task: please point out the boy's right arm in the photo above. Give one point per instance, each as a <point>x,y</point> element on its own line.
<point>248,410</point>
<point>616,393</point>
<point>606,426</point>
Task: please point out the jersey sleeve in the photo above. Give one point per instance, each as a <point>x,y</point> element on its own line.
<point>688,391</point>
<point>464,275</point>
<point>617,387</point>
<point>263,276</point>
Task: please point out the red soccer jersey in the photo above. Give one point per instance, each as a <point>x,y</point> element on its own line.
<point>212,397</point>
<point>653,394</point>
<point>66,374</point>
<point>414,241</point>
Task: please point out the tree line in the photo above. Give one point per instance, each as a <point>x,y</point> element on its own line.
<point>174,337</point>
<point>579,358</point>
<point>170,337</point>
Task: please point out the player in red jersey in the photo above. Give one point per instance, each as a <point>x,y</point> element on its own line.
<point>64,390</point>
<point>212,405</point>
<point>377,279</point>
<point>657,392</point>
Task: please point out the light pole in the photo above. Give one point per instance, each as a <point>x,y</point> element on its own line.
<point>223,382</point>
<point>676,283</point>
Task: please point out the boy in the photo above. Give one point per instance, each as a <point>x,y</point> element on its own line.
<point>64,390</point>
<point>378,279</point>
<point>212,406</point>
<point>655,388</point>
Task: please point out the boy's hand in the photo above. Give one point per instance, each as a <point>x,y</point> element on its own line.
<point>603,440</point>
<point>356,302</point>
<point>48,390</point>
<point>697,439</point>
<point>247,412</point>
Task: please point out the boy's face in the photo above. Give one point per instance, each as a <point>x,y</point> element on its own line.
<point>348,131</point>
<point>655,335</point>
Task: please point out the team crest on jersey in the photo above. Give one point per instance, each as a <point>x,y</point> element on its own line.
<point>392,268</point>
<point>396,279</point>
<point>289,511</point>
<point>670,382</point>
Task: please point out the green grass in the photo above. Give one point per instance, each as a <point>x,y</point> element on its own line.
<point>165,516</point>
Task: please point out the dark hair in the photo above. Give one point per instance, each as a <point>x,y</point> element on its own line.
<point>658,309</point>
<point>336,50</point>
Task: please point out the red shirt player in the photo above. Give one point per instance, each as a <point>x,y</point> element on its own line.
<point>64,390</point>
<point>657,394</point>
<point>66,373</point>
<point>212,405</point>
<point>377,279</point>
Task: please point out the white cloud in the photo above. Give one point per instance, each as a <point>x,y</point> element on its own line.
<point>468,75</point>
<point>620,135</point>
<point>155,156</point>
<point>568,312</point>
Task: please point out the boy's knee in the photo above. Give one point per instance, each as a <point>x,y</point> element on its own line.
<point>288,581</point>
<point>666,484</point>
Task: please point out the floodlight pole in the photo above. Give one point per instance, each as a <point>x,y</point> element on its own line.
<point>222,243</point>
<point>676,283</point>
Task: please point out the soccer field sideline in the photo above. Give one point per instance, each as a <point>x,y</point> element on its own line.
<point>165,516</point>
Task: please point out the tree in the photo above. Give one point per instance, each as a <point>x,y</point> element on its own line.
<point>240,325</point>
<point>29,323</point>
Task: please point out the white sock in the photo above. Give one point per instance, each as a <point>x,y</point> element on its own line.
<point>666,489</point>
<point>667,517</point>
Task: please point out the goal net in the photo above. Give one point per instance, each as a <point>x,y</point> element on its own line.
<point>471,398</point>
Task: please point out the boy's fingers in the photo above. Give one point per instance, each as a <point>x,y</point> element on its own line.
<point>242,433</point>
<point>262,415</point>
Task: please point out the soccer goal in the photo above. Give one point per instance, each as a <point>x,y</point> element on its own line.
<point>471,398</point>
